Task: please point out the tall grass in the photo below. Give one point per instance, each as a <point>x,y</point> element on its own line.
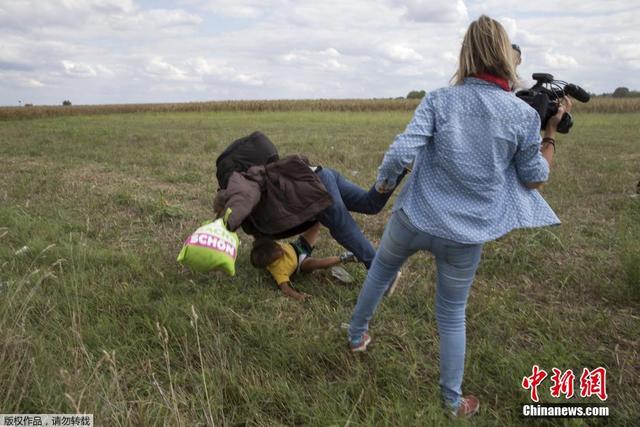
<point>596,105</point>
<point>607,104</point>
<point>353,105</point>
<point>629,252</point>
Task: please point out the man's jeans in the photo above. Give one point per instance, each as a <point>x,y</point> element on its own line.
<point>348,197</point>
<point>456,265</point>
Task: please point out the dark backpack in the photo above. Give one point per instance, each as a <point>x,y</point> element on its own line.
<point>253,150</point>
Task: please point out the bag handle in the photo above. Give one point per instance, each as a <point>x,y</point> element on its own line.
<point>225,219</point>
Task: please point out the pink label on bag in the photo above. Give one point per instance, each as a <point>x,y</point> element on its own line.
<point>212,242</point>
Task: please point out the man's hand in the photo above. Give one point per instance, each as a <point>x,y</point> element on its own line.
<point>292,293</point>
<point>219,203</point>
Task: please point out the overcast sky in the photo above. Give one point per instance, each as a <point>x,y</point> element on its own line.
<point>122,51</point>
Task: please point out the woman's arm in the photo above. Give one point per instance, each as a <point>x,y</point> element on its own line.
<point>406,145</point>
<point>532,171</point>
<point>548,149</point>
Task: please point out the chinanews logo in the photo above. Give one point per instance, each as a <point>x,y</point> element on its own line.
<point>592,382</point>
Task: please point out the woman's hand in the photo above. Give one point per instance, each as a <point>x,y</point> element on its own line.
<point>548,146</point>
<point>564,106</point>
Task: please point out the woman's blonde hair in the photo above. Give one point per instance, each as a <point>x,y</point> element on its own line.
<point>486,49</point>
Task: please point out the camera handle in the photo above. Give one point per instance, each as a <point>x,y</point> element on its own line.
<point>566,122</point>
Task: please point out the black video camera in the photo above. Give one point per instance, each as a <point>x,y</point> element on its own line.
<point>545,95</point>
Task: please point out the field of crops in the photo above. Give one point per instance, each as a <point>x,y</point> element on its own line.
<point>97,317</point>
<point>596,105</point>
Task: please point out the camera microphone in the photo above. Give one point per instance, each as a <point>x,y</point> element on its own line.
<point>577,92</point>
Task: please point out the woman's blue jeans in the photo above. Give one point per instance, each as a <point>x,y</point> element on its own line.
<point>456,265</point>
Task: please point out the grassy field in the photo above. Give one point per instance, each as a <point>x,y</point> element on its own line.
<point>97,317</point>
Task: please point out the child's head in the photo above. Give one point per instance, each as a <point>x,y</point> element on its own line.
<point>264,252</point>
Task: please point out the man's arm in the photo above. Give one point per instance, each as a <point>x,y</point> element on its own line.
<point>241,196</point>
<point>219,203</point>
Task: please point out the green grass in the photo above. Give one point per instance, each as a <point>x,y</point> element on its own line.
<point>97,317</point>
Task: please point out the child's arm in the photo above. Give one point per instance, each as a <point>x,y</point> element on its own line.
<point>310,264</point>
<point>292,293</point>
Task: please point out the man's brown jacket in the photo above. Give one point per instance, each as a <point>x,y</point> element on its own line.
<point>279,199</point>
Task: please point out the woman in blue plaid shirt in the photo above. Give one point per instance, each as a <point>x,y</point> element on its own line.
<point>478,160</point>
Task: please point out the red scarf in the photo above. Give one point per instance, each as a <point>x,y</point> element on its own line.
<point>503,83</point>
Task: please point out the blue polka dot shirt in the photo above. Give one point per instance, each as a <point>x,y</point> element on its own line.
<point>473,147</point>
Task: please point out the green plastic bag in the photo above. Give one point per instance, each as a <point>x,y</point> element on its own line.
<point>211,247</point>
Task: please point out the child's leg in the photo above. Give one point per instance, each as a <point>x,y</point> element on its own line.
<point>312,234</point>
<point>310,264</point>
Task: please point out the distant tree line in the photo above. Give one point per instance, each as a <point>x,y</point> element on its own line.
<point>624,92</point>
<point>416,94</point>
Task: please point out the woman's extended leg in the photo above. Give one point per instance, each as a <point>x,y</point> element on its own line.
<point>399,242</point>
